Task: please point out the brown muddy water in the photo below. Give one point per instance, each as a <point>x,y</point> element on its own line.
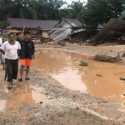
<point>21,98</point>
<point>97,79</point>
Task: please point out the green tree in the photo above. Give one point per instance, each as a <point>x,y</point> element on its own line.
<point>76,9</point>
<point>49,9</point>
<point>73,11</point>
<point>100,11</point>
<point>34,9</point>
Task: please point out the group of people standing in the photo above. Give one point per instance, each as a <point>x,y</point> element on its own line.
<point>18,52</point>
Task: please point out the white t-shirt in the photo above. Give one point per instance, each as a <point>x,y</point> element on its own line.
<point>1,41</point>
<point>11,50</point>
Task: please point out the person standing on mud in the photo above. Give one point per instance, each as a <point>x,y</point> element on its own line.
<point>26,54</point>
<point>11,48</point>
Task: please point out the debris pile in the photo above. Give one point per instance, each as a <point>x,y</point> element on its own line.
<point>65,28</point>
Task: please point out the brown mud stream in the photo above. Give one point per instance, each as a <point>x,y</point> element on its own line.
<point>97,79</point>
<point>21,98</point>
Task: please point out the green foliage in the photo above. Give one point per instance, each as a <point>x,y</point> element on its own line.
<point>3,24</point>
<point>100,11</point>
<point>34,9</point>
<point>73,11</point>
<point>93,13</point>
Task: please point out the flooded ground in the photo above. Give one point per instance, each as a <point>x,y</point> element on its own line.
<point>43,100</point>
<point>97,79</point>
<point>21,97</point>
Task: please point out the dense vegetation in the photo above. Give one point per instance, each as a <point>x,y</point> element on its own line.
<point>93,13</point>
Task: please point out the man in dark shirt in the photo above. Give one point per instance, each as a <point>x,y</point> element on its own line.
<point>26,54</point>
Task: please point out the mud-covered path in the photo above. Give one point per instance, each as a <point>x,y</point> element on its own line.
<point>44,101</point>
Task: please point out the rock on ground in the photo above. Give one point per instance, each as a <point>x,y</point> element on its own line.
<point>108,57</point>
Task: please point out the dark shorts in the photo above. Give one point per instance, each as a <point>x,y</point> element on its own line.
<point>11,69</point>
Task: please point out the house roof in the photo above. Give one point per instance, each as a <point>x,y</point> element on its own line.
<point>21,23</point>
<point>73,22</point>
<point>70,22</point>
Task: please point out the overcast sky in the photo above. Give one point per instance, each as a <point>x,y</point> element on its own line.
<point>70,1</point>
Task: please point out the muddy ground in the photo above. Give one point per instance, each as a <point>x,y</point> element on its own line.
<point>44,101</point>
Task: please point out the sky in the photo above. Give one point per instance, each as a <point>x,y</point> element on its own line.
<point>70,1</point>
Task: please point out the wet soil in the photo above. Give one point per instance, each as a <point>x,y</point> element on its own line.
<point>47,100</point>
<point>97,79</point>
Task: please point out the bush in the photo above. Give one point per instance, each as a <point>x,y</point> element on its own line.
<point>3,24</point>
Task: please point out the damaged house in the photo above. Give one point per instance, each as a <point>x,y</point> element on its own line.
<point>65,29</point>
<point>48,29</point>
<point>38,28</point>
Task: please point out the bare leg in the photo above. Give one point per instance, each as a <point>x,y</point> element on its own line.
<point>27,73</point>
<point>21,72</point>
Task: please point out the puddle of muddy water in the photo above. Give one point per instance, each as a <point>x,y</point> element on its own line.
<point>72,78</point>
<point>21,98</point>
<point>97,79</point>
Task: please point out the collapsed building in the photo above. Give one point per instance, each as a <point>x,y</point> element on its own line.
<point>38,28</point>
<point>56,30</point>
<point>65,29</point>
<point>71,29</point>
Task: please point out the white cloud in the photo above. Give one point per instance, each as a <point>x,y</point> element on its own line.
<point>70,1</point>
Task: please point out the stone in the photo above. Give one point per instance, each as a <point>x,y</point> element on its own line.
<point>41,102</point>
<point>108,57</point>
<point>122,78</point>
<point>99,75</point>
<point>83,63</point>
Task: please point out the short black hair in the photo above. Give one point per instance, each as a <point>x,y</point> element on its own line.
<point>19,33</point>
<point>27,33</point>
<point>11,33</point>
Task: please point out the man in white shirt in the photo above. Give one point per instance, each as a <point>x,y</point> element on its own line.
<point>10,49</point>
